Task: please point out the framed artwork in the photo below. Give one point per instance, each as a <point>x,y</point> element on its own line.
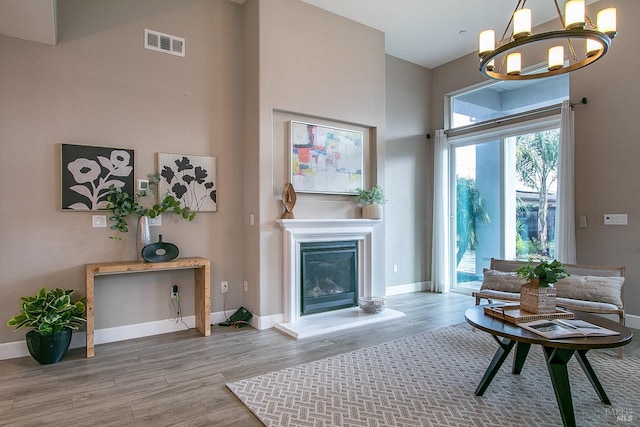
<point>190,179</point>
<point>87,173</point>
<point>325,159</point>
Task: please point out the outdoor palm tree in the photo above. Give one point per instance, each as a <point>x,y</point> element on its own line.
<point>536,165</point>
<point>470,212</point>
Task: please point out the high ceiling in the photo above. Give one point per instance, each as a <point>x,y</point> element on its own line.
<point>433,32</point>
<point>425,32</point>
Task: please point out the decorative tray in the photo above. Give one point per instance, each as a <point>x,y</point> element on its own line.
<point>512,313</point>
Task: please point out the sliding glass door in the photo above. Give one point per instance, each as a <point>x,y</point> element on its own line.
<point>502,198</point>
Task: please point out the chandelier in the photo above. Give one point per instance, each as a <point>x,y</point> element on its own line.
<point>581,40</point>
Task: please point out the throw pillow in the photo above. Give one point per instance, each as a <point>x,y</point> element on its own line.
<point>591,288</point>
<point>501,281</point>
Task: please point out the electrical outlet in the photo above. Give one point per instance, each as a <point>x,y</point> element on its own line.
<point>224,287</point>
<point>174,291</point>
<point>246,286</point>
<point>99,221</point>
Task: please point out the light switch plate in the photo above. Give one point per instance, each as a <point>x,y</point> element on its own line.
<point>583,221</point>
<point>143,184</point>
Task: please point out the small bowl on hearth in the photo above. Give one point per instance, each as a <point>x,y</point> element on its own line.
<point>372,305</point>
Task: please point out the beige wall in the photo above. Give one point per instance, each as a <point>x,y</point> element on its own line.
<point>606,171</point>
<point>100,87</point>
<point>408,166</point>
<point>318,65</point>
<point>246,68</point>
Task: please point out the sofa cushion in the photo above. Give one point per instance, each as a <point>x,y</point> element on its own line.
<point>591,288</point>
<point>588,306</point>
<point>501,281</point>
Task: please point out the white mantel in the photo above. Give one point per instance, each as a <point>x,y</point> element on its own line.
<point>298,231</point>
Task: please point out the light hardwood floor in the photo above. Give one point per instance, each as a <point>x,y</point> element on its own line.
<point>179,378</point>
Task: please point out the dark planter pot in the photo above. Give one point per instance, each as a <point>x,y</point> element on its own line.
<point>47,349</point>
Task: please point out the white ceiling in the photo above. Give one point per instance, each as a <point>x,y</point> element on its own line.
<point>433,32</point>
<point>425,32</point>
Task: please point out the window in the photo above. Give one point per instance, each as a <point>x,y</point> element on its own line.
<point>502,180</point>
<point>504,99</point>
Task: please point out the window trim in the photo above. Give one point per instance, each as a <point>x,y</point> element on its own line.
<point>514,119</point>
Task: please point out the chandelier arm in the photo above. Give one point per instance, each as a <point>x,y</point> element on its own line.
<point>559,13</point>
<point>572,51</point>
<point>519,5</point>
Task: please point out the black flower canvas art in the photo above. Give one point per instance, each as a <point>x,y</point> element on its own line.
<point>190,179</point>
<point>87,172</point>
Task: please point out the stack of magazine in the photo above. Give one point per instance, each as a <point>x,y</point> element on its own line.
<point>566,328</point>
<point>512,313</point>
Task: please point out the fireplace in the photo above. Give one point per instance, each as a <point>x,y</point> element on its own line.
<point>329,276</point>
<point>369,279</point>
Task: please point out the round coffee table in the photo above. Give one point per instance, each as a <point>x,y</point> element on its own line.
<point>557,354</point>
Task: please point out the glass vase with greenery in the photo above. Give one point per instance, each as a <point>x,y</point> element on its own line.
<point>122,205</point>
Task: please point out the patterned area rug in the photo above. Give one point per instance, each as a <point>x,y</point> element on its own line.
<point>429,379</point>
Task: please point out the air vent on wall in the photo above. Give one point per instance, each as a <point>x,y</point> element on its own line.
<point>165,43</point>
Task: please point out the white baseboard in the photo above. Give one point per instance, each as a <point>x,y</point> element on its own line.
<point>632,321</point>
<point>267,322</point>
<point>14,349</point>
<point>408,288</point>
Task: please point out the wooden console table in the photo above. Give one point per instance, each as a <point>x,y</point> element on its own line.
<point>202,298</point>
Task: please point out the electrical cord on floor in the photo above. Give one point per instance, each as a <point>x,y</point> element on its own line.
<point>179,314</point>
<point>224,312</point>
<point>175,307</point>
<point>229,322</point>
<point>172,309</point>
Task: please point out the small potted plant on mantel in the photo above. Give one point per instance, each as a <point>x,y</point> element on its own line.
<point>371,201</point>
<point>538,295</point>
<point>52,316</point>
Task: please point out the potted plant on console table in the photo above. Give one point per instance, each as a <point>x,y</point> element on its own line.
<point>121,205</point>
<point>371,201</point>
<point>538,295</point>
<point>52,315</point>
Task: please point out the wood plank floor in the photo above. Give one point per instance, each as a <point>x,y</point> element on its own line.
<point>179,378</point>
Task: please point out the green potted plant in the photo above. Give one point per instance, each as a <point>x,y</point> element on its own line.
<point>537,295</point>
<point>545,273</point>
<point>52,316</point>
<point>122,205</point>
<point>371,201</point>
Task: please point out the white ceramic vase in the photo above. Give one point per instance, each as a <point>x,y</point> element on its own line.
<point>372,211</point>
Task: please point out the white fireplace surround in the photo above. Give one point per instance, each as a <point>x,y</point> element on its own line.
<point>297,231</point>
